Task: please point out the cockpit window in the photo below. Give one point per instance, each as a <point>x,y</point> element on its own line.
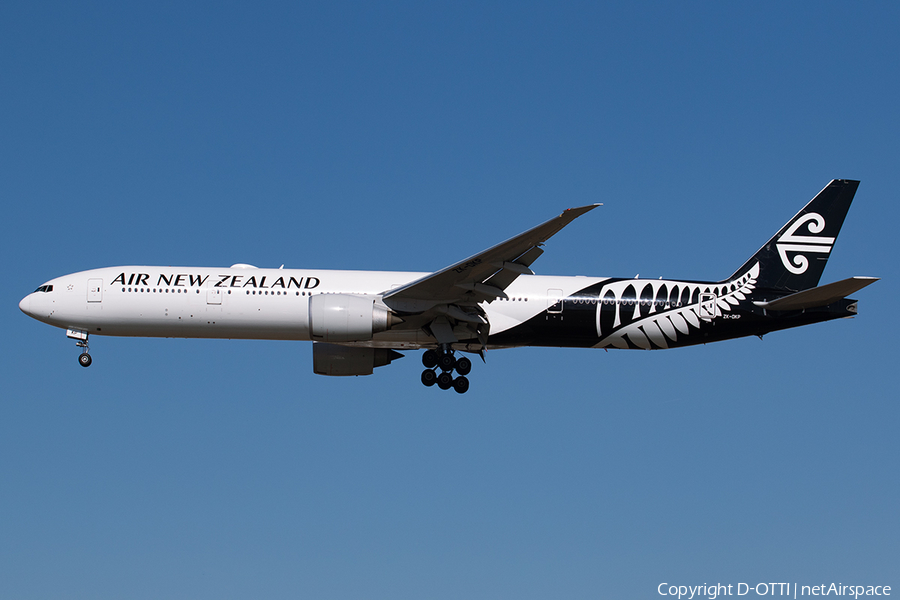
<point>45,288</point>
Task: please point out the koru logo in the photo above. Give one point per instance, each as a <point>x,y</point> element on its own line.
<point>799,245</point>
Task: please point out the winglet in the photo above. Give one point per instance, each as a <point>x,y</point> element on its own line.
<point>580,210</point>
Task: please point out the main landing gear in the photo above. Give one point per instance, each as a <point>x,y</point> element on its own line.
<point>447,363</point>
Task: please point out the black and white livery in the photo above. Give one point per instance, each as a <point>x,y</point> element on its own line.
<point>359,320</point>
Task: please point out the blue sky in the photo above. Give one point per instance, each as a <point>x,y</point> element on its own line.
<point>408,136</point>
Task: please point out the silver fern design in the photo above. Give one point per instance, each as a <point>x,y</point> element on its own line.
<point>653,314</point>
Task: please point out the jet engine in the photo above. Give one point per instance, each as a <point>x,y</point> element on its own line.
<point>337,360</point>
<point>347,318</point>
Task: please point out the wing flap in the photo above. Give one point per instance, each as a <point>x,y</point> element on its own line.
<point>511,270</point>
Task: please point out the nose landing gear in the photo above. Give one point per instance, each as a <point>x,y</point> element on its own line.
<point>447,363</point>
<point>81,340</point>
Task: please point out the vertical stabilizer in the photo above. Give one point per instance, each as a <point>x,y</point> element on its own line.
<point>795,257</point>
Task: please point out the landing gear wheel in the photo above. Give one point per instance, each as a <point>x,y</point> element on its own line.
<point>430,359</point>
<point>429,377</point>
<point>463,366</point>
<point>445,380</point>
<point>84,360</point>
<point>461,385</point>
<point>446,362</point>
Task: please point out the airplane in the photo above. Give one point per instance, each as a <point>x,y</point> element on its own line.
<point>360,320</point>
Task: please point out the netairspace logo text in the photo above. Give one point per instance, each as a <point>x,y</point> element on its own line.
<point>794,590</point>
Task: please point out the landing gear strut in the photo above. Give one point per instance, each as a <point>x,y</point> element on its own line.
<point>447,363</point>
<point>81,340</point>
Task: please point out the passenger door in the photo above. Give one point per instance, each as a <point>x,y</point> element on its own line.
<point>707,307</point>
<point>95,290</point>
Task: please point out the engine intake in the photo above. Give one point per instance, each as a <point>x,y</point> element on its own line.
<point>347,318</point>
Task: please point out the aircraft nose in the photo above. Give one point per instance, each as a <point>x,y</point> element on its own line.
<point>25,305</point>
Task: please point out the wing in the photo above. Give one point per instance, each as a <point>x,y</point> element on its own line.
<point>447,297</point>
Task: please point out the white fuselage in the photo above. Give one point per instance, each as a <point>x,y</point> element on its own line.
<point>248,302</point>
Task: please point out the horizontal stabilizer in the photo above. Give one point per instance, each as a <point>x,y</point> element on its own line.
<point>819,296</point>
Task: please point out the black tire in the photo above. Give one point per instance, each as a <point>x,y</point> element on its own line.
<point>84,360</point>
<point>429,377</point>
<point>463,366</point>
<point>461,385</point>
<point>430,359</point>
<point>445,380</point>
<point>446,362</point>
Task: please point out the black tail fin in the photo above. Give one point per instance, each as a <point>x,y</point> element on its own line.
<point>795,257</point>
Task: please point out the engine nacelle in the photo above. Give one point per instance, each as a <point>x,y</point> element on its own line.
<point>346,318</point>
<point>336,360</point>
